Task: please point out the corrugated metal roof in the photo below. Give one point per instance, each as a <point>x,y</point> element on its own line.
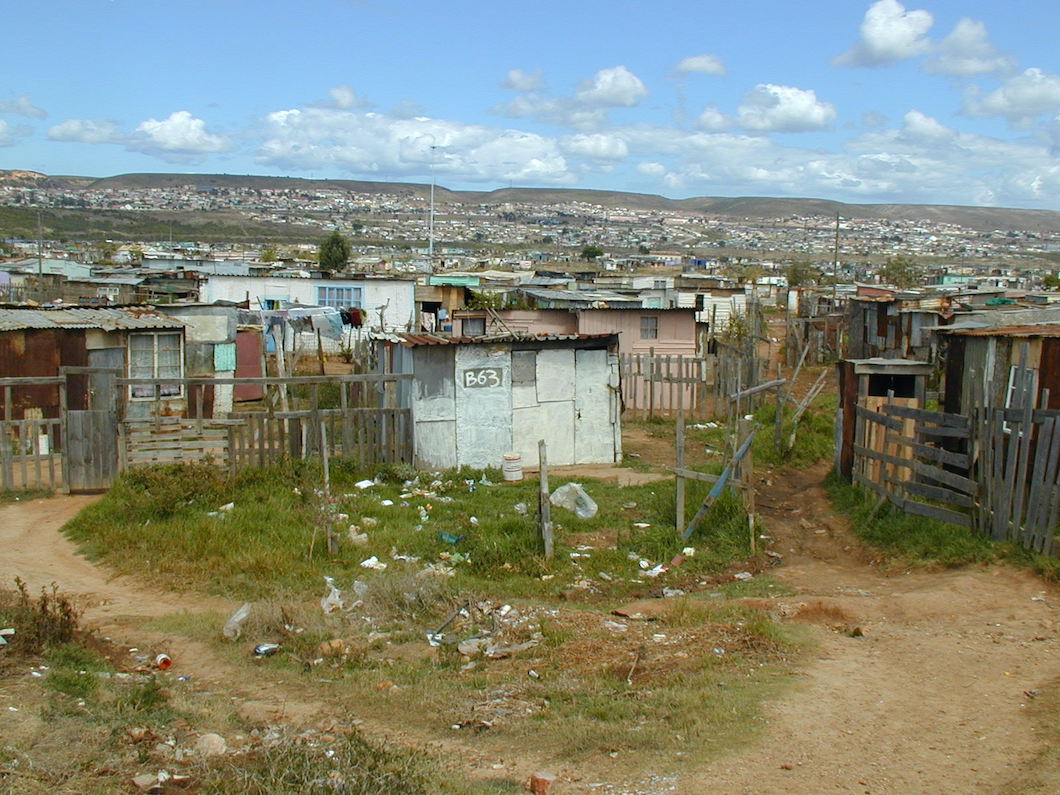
<point>1032,330</point>
<point>106,318</point>
<point>414,340</point>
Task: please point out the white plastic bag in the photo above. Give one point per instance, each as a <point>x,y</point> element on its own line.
<point>573,497</point>
<point>333,600</point>
<point>234,625</point>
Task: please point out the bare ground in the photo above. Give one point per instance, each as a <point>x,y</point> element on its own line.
<point>935,695</point>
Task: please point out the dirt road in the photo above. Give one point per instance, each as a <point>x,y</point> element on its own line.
<point>934,696</point>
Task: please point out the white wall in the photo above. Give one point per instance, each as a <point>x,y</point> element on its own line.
<point>395,297</point>
<point>560,395</point>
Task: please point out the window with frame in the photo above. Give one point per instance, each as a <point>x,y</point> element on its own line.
<point>649,327</point>
<point>338,297</point>
<point>157,355</point>
<point>474,326</point>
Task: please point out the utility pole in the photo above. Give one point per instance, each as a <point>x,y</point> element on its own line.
<point>835,261</point>
<point>430,220</point>
<point>40,251</point>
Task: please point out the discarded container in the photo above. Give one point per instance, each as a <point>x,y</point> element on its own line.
<point>265,649</point>
<point>234,625</point>
<point>512,466</point>
<point>163,662</point>
<point>573,497</point>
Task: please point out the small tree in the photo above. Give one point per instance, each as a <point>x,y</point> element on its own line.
<point>901,271</point>
<point>801,273</point>
<point>270,254</point>
<point>334,252</point>
<point>589,253</point>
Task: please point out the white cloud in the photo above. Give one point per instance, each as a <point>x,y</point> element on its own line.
<point>889,34</point>
<point>616,87</point>
<point>713,120</point>
<point>518,80</point>
<point>87,131</point>
<point>9,134</point>
<point>23,106</point>
<point>649,169</point>
<point>374,144</point>
<point>344,97</point>
<point>968,52</point>
<point>587,110</point>
<point>702,64</point>
<point>597,146</point>
<point>921,127</point>
<point>179,137</point>
<point>772,108</point>
<point>1020,99</point>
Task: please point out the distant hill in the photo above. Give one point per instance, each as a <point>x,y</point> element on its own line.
<point>751,207</point>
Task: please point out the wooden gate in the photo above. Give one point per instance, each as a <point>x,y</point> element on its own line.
<point>90,455</point>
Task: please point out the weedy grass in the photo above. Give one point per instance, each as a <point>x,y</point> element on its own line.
<point>23,495</point>
<point>41,622</point>
<point>452,539</point>
<point>915,540</point>
<point>166,524</point>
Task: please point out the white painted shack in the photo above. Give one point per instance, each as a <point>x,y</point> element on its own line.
<point>475,399</point>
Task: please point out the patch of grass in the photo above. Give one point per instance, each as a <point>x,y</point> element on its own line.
<point>814,435</point>
<point>40,622</point>
<point>349,763</point>
<point>24,495</point>
<point>920,541</point>
<point>165,524</point>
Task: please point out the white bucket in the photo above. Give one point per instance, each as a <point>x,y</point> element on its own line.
<point>512,466</point>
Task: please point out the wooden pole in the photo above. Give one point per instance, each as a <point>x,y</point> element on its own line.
<point>320,353</point>
<point>544,507</point>
<point>746,475</point>
<point>333,539</point>
<point>679,458</point>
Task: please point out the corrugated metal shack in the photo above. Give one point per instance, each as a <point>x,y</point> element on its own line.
<point>37,342</point>
<point>983,361</point>
<point>474,399</point>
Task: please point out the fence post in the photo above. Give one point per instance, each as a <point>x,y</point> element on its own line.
<point>544,508</point>
<point>679,461</point>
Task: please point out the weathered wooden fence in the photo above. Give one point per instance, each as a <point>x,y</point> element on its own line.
<point>351,416</point>
<point>655,385</point>
<point>1019,466</point>
<point>31,444</point>
<point>997,471</point>
<point>83,447</point>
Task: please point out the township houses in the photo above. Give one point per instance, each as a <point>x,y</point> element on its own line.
<point>381,302</point>
<point>667,332</point>
<point>981,364</point>
<point>139,341</point>
<point>475,399</point>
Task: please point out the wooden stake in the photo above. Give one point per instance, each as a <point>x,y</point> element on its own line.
<point>544,507</point>
<point>679,458</point>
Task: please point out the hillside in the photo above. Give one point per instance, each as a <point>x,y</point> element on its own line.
<point>751,207</point>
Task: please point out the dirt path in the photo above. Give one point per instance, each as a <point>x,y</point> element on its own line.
<point>930,699</point>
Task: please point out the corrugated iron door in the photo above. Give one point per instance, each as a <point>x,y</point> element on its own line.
<point>90,459</point>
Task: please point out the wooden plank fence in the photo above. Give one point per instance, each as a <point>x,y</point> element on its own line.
<point>996,472</point>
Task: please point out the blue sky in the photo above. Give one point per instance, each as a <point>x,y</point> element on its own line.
<point>934,102</point>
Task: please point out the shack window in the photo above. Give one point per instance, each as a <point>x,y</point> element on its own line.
<point>904,386</point>
<point>156,355</point>
<point>649,327</point>
<point>474,326</point>
<point>339,297</point>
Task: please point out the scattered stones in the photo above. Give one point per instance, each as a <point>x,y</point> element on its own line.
<point>211,745</point>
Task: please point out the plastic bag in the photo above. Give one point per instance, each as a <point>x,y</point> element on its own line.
<point>234,625</point>
<point>573,497</point>
<point>333,600</point>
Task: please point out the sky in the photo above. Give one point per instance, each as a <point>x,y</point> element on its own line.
<point>939,101</point>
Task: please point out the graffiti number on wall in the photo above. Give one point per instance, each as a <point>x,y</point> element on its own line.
<point>483,377</point>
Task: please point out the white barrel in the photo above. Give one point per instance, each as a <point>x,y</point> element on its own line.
<point>512,466</point>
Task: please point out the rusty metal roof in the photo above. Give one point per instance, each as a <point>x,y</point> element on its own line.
<point>106,318</point>
<point>1031,330</point>
<point>414,340</point>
